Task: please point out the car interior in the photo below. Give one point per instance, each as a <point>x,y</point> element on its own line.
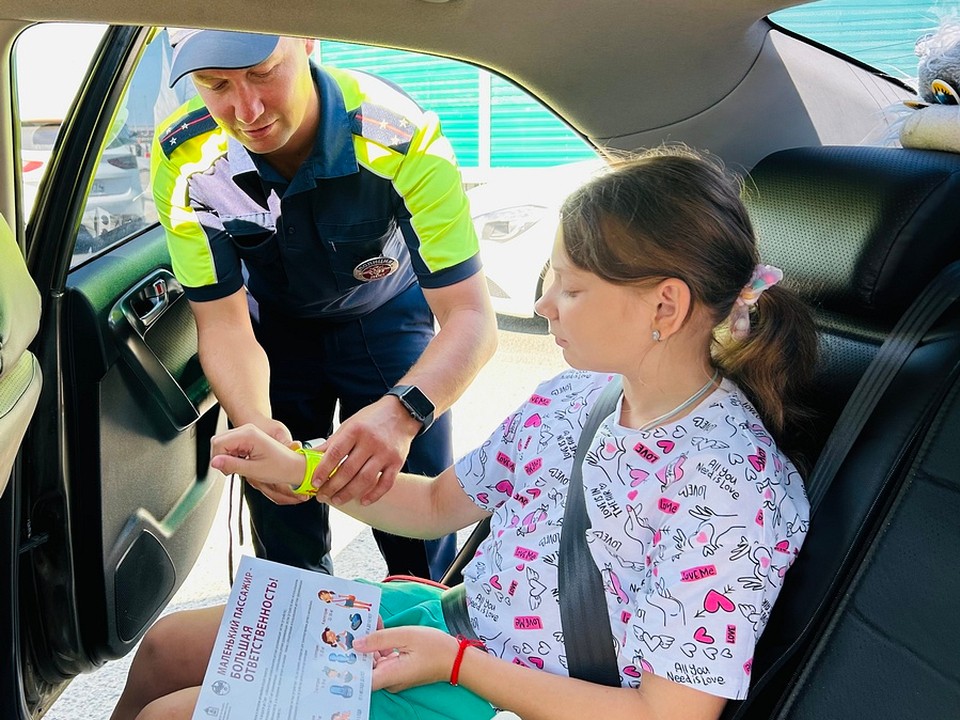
<point>869,236</point>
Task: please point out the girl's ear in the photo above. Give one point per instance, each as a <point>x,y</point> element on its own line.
<point>673,300</point>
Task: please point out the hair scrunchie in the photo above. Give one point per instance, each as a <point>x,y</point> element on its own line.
<point>764,277</point>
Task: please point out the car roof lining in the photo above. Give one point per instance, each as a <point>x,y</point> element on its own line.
<point>610,74</point>
<point>625,79</point>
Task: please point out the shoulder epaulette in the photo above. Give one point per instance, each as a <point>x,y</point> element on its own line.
<point>383,125</point>
<point>189,126</point>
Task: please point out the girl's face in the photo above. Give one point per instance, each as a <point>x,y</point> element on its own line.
<point>599,325</point>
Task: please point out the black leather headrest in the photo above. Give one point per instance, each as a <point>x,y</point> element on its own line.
<point>857,230</point>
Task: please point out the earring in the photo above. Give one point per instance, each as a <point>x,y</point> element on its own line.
<point>656,335</point>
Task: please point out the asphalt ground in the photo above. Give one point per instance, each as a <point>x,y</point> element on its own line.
<point>527,354</point>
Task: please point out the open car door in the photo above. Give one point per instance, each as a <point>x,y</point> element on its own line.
<point>111,500</point>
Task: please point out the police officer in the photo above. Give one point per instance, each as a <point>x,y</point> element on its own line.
<point>337,202</point>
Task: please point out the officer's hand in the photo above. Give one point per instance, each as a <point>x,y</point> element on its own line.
<point>264,462</point>
<point>367,451</point>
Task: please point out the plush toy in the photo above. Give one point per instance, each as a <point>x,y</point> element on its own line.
<point>934,122</point>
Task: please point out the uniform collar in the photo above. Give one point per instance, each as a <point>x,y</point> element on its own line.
<point>332,156</point>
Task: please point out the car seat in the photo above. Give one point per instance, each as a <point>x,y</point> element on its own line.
<point>866,620</point>
<point>19,371</point>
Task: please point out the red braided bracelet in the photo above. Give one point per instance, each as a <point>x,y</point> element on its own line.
<point>464,644</point>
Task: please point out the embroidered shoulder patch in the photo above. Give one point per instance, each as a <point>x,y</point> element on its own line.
<point>383,126</point>
<point>189,126</point>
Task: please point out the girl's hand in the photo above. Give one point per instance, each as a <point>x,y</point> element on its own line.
<point>250,452</point>
<point>377,655</point>
<point>409,656</point>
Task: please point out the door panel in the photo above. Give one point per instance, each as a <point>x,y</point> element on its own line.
<point>115,498</point>
<point>139,397</point>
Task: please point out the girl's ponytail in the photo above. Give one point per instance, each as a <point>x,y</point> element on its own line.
<point>774,362</point>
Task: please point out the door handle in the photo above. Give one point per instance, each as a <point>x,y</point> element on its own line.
<point>150,302</point>
<point>131,319</point>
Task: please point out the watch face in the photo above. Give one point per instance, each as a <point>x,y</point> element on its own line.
<point>417,402</point>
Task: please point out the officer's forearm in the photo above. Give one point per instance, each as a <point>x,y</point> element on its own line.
<point>239,373</point>
<point>465,342</point>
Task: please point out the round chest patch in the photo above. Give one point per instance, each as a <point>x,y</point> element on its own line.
<point>376,268</point>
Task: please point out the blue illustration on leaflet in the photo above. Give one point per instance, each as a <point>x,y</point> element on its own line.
<point>285,647</point>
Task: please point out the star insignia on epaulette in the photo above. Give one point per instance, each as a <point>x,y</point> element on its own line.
<point>384,126</point>
<point>193,124</point>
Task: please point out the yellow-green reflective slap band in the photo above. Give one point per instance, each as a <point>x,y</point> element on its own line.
<point>313,458</point>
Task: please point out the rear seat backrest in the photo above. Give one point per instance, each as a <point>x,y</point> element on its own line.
<point>889,649</point>
<point>858,232</point>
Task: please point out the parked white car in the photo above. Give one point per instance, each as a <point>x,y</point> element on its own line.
<point>117,195</point>
<point>516,215</point>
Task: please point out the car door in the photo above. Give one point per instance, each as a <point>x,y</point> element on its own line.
<point>112,498</point>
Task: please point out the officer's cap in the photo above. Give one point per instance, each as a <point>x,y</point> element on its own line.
<point>216,50</point>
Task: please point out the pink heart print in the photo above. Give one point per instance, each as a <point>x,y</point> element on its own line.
<point>715,601</point>
<point>666,445</point>
<point>495,581</point>
<point>638,476</point>
<point>504,486</point>
<point>702,636</point>
<point>533,421</point>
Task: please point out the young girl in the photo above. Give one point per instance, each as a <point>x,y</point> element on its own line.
<point>695,510</point>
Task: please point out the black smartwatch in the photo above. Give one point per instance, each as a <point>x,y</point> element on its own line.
<point>416,403</point>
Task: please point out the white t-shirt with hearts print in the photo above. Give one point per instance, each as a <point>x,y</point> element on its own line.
<point>693,526</point>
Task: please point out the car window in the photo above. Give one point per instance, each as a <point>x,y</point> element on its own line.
<point>490,122</point>
<point>518,160</point>
<point>881,33</point>
<point>118,201</point>
<point>46,85</point>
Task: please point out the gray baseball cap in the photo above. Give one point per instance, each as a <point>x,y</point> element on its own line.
<point>216,49</point>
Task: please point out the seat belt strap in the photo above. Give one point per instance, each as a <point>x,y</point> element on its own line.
<point>929,305</point>
<point>587,637</point>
